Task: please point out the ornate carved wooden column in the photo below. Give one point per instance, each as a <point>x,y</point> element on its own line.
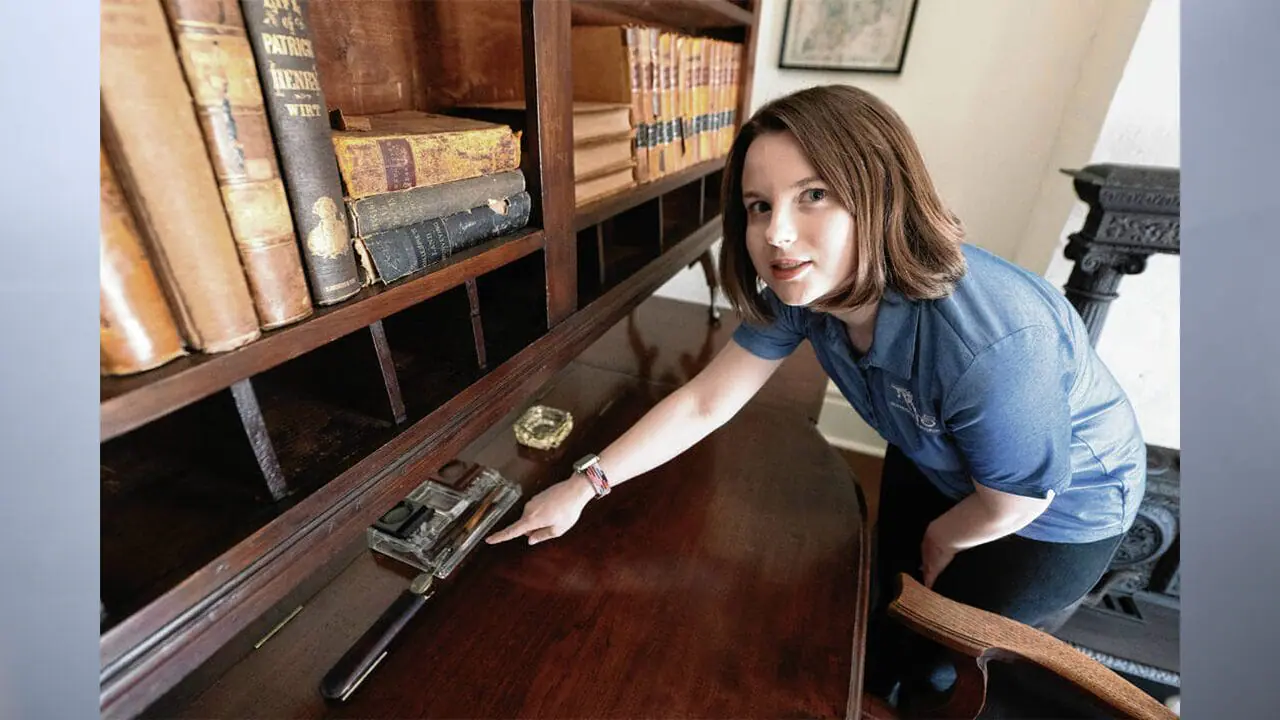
<point>1133,214</point>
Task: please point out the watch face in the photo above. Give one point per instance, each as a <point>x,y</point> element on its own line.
<point>586,462</point>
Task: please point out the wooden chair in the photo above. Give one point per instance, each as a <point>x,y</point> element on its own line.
<point>976,637</point>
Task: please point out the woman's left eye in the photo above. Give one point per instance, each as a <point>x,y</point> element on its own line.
<point>815,194</point>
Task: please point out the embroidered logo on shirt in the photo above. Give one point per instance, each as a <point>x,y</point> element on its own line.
<point>906,402</point>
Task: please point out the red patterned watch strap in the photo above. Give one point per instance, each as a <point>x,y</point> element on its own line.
<point>597,479</point>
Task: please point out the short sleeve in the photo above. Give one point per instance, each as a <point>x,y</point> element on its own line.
<point>777,339</point>
<point>1010,418</point>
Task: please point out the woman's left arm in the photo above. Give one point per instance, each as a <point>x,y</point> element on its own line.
<point>984,516</point>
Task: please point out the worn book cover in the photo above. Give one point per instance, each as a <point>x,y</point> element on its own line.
<point>280,34</point>
<point>137,331</point>
<point>408,149</point>
<point>219,66</point>
<point>151,132</point>
<point>405,207</point>
<point>393,254</point>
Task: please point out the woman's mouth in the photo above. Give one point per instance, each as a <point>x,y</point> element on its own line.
<point>789,268</point>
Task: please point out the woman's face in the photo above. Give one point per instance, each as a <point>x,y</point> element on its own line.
<point>799,237</point>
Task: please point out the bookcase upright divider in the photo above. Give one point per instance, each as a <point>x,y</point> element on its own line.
<point>255,429</point>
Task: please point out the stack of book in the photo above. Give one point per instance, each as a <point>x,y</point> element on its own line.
<point>231,206</point>
<point>682,91</point>
<point>421,186</point>
<point>603,142</point>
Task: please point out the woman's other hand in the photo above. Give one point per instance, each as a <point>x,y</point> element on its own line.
<point>936,554</point>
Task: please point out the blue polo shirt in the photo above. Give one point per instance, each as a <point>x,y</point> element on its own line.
<point>996,383</point>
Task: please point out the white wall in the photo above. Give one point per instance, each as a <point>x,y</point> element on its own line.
<point>1000,94</point>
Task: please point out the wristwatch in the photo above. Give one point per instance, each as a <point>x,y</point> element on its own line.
<point>590,468</point>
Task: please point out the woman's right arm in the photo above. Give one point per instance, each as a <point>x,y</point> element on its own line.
<point>674,425</point>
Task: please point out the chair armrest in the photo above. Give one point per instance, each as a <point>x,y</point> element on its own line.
<point>983,635</point>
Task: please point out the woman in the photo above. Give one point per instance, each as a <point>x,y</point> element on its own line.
<point>1015,463</point>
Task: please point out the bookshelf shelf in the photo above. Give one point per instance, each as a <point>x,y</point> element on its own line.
<point>129,402</point>
<point>186,625</point>
<point>674,14</point>
<point>607,207</point>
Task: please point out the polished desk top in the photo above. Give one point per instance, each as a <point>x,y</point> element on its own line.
<point>730,582</point>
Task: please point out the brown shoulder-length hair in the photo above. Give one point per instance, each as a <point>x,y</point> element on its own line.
<point>904,236</point>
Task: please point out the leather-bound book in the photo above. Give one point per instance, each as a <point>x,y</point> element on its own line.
<point>154,140</point>
<point>407,149</point>
<point>137,329</point>
<point>392,254</point>
<point>220,70</point>
<point>280,34</point>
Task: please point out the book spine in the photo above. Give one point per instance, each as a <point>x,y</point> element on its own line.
<point>653,87</point>
<point>162,164</point>
<point>286,63</point>
<point>137,329</point>
<point>386,211</point>
<point>403,251</point>
<point>374,165</point>
<point>631,36</point>
<point>471,227</point>
<point>220,71</point>
<point>704,122</point>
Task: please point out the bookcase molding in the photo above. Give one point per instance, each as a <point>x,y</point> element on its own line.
<point>315,458</point>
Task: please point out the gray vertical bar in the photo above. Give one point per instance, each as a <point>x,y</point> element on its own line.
<point>49,382</point>
<point>1231,342</point>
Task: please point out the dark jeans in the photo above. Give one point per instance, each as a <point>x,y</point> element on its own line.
<point>1025,580</point>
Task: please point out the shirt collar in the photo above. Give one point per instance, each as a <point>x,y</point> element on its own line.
<point>893,347</point>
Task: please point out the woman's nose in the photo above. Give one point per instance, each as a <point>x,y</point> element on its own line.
<point>782,231</point>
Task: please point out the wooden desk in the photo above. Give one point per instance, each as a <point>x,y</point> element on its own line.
<point>731,582</point>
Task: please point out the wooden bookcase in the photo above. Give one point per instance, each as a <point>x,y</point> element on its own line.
<point>230,481</point>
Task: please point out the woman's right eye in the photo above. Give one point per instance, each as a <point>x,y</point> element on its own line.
<point>757,207</point>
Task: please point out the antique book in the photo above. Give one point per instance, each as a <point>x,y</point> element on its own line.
<point>602,131</point>
<point>376,213</point>
<point>407,149</point>
<point>280,35</point>
<point>162,163</point>
<point>622,71</point>
<point>600,120</point>
<point>631,35</point>
<point>136,328</point>
<point>703,94</point>
<point>390,255</point>
<point>606,182</point>
<point>667,121</point>
<point>220,70</point>
<point>593,156</point>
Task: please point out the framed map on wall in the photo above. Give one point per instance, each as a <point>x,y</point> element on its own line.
<point>859,35</point>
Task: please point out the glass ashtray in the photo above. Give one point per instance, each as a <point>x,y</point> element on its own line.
<point>542,427</point>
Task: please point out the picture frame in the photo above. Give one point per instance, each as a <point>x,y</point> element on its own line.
<point>847,35</point>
